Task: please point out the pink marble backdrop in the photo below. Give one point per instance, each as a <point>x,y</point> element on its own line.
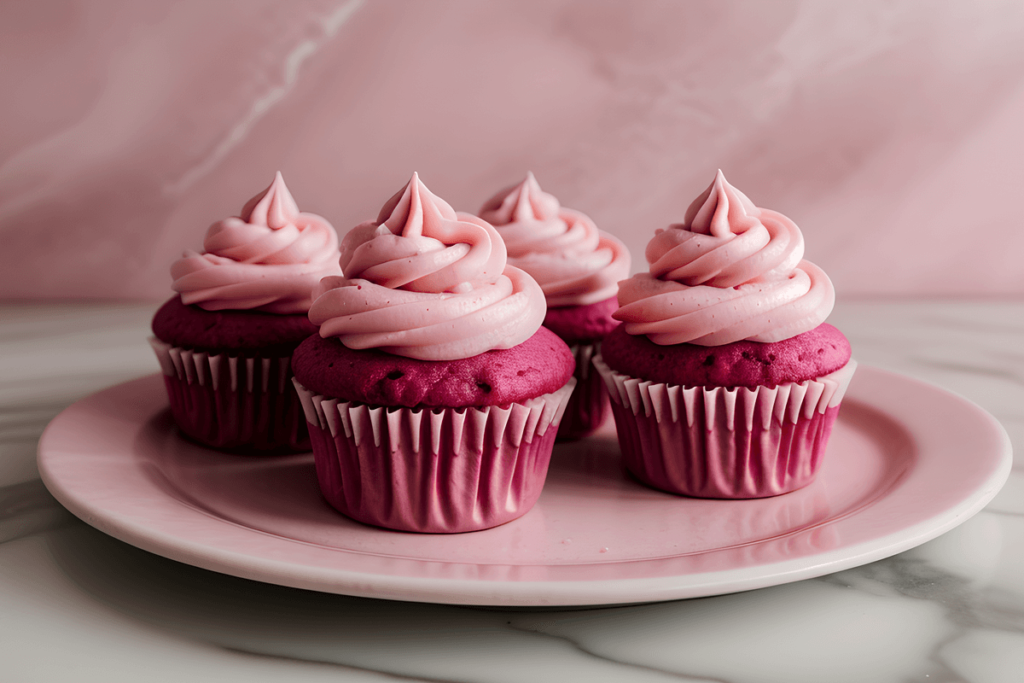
<point>890,131</point>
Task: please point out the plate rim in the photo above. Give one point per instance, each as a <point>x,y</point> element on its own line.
<point>531,593</point>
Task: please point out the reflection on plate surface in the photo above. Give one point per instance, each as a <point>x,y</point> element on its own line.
<point>893,477</point>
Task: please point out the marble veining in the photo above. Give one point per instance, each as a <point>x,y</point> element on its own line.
<point>950,610</point>
<point>237,134</point>
<point>889,131</point>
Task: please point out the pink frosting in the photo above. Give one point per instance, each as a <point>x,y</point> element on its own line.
<point>731,271</point>
<point>575,263</point>
<point>424,282</point>
<point>267,259</point>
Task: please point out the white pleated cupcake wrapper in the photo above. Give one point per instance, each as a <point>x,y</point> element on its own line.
<point>785,402</point>
<point>215,370</point>
<point>517,423</point>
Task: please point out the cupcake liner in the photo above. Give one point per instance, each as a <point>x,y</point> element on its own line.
<point>434,470</point>
<point>233,402</point>
<point>716,442</point>
<point>588,406</point>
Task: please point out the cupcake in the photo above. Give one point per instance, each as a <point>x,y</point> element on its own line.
<point>725,380</point>
<point>225,340</point>
<point>578,267</point>
<point>432,392</point>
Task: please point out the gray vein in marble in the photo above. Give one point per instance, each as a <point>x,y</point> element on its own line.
<point>966,606</point>
<point>940,672</point>
<point>1005,513</point>
<point>906,576</point>
<point>383,675</point>
<point>246,616</point>
<point>957,600</point>
<point>639,667</point>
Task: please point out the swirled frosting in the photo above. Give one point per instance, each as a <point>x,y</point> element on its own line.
<point>268,258</point>
<point>731,271</point>
<point>575,263</point>
<point>424,282</point>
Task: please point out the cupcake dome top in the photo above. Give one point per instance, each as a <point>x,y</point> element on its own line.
<point>540,365</point>
<point>730,272</point>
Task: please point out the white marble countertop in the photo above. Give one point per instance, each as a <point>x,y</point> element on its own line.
<point>78,605</point>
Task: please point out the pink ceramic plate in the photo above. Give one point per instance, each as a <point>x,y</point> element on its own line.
<point>907,461</point>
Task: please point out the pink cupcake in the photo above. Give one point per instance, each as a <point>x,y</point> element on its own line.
<point>725,381</point>
<point>578,267</point>
<point>225,341</point>
<point>432,393</point>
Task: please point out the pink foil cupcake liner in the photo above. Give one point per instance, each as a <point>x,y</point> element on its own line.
<point>433,470</point>
<point>588,406</point>
<point>716,442</point>
<point>233,402</point>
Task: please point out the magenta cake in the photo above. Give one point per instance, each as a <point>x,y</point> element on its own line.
<point>432,393</point>
<point>499,377</point>
<point>725,380</point>
<point>585,324</point>
<point>818,352</point>
<point>238,332</point>
<point>225,341</point>
<point>578,268</point>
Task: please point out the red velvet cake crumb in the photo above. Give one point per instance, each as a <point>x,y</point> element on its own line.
<point>540,365</point>
<point>582,324</point>
<point>230,331</point>
<point>741,364</point>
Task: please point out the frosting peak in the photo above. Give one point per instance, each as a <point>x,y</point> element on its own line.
<point>731,271</point>
<point>413,206</point>
<point>420,244</point>
<point>275,207</point>
<point>721,210</point>
<point>425,282</point>
<point>575,263</point>
<point>268,258</point>
<point>522,202</point>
